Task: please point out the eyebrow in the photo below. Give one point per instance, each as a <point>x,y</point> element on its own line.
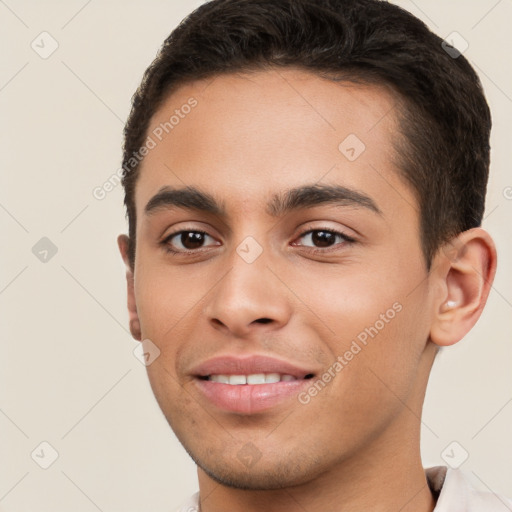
<point>187,197</point>
<point>303,197</point>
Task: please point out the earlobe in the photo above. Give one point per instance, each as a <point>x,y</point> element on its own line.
<point>123,243</point>
<point>466,280</point>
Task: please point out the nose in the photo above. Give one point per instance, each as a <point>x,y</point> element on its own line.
<point>248,298</point>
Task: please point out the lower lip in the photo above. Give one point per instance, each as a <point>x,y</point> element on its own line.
<point>247,398</point>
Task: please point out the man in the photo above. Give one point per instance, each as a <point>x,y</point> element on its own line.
<point>305,184</point>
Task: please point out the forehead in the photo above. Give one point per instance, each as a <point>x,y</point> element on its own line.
<point>244,136</point>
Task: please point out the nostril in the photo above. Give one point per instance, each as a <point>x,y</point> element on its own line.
<point>264,320</point>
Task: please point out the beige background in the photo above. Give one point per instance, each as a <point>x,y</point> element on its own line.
<point>68,374</point>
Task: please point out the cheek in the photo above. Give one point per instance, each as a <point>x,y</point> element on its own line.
<point>164,298</point>
<point>348,300</point>
<point>169,306</point>
<point>181,412</point>
<point>374,322</point>
<point>375,375</point>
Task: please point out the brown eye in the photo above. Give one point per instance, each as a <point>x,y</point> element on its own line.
<point>184,241</point>
<point>320,238</point>
<point>192,239</point>
<point>323,238</point>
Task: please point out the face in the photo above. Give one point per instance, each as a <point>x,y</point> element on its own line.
<point>279,272</point>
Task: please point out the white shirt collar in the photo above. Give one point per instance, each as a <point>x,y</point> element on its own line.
<point>456,494</point>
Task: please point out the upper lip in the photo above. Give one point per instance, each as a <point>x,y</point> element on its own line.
<point>248,365</point>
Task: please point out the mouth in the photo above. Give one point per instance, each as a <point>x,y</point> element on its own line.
<point>254,379</point>
<point>250,385</point>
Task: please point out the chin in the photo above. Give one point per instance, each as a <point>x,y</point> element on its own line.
<point>264,479</point>
<point>283,472</point>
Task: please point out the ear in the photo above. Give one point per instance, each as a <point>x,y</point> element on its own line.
<point>123,243</point>
<point>464,270</point>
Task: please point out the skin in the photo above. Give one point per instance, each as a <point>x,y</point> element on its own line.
<point>355,445</point>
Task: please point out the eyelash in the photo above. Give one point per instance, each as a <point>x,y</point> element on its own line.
<point>346,239</point>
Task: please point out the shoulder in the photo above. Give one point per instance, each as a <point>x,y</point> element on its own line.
<point>457,494</point>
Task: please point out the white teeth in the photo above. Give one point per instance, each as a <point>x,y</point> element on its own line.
<point>255,378</point>
<point>237,379</point>
<point>224,379</point>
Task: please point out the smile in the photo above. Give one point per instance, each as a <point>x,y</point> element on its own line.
<point>250,384</point>
<point>252,379</point>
